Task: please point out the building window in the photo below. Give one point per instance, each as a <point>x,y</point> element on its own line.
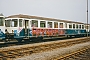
<point>34,23</point>
<point>42,24</point>
<point>49,25</point>
<point>1,21</point>
<point>61,25</point>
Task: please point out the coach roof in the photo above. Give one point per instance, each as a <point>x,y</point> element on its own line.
<point>41,18</point>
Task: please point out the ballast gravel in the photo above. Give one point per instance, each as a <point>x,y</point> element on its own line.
<point>50,55</point>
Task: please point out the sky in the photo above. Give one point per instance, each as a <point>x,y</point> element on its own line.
<point>72,10</point>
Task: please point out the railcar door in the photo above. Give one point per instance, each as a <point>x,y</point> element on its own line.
<point>26,28</point>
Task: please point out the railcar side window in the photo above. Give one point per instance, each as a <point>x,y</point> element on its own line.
<point>34,23</point>
<point>61,25</point>
<point>49,25</point>
<point>77,26</point>
<point>7,23</point>
<point>82,26</point>
<point>20,22</point>
<point>65,25</point>
<point>89,27</point>
<point>14,22</point>
<point>55,24</point>
<point>70,25</point>
<point>85,27</point>
<point>73,25</point>
<point>1,21</point>
<point>42,24</point>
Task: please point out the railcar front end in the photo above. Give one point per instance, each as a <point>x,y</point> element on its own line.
<point>2,27</point>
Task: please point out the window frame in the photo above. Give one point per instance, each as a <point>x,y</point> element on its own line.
<point>61,23</point>
<point>77,26</point>
<point>74,26</point>
<point>50,25</point>
<point>44,24</point>
<point>56,25</point>
<point>70,26</point>
<point>1,21</point>
<point>21,23</point>
<point>8,24</point>
<point>80,26</point>
<point>15,23</point>
<point>34,25</point>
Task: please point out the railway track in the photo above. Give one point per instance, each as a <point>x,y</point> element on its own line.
<point>82,54</point>
<point>15,43</point>
<point>9,53</point>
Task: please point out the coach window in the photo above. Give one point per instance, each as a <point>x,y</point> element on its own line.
<point>7,23</point>
<point>61,25</point>
<point>20,22</point>
<point>42,24</point>
<point>34,23</point>
<point>65,25</point>
<point>1,21</point>
<point>49,25</point>
<point>79,26</point>
<point>82,26</point>
<point>73,25</point>
<point>70,25</point>
<point>85,26</point>
<point>14,23</point>
<point>55,24</point>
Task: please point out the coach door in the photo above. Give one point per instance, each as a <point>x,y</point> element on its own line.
<point>26,28</point>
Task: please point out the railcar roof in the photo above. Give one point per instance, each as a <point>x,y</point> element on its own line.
<point>41,18</point>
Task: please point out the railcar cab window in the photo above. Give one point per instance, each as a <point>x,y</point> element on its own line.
<point>42,24</point>
<point>55,24</point>
<point>14,23</point>
<point>1,21</point>
<point>34,23</point>
<point>20,22</point>
<point>49,25</point>
<point>61,25</point>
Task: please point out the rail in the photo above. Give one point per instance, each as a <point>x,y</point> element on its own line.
<point>73,54</point>
<point>13,52</point>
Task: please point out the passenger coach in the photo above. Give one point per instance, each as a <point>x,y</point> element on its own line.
<point>25,27</point>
